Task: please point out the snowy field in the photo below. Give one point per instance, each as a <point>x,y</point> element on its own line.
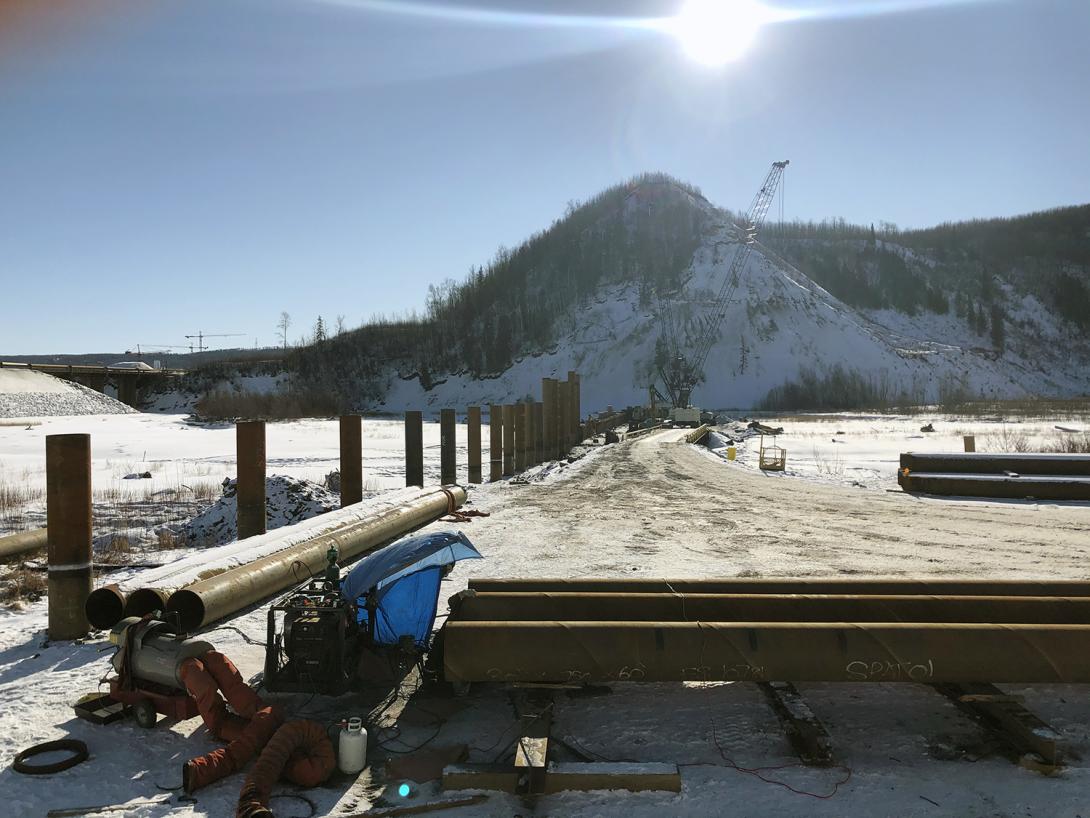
<point>188,461</point>
<point>651,507</point>
<point>863,451</point>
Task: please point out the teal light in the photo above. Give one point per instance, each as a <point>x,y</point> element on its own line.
<point>404,790</point>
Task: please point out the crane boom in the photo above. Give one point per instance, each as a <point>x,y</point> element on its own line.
<point>681,374</point>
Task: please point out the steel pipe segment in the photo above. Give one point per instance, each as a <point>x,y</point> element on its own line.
<point>214,598</point>
<point>105,607</point>
<point>582,607</point>
<point>568,652</point>
<point>11,545</point>
<point>143,601</point>
<point>816,585</point>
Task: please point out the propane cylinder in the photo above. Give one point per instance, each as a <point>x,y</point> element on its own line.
<point>352,747</point>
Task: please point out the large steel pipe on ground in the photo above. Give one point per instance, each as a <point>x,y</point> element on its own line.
<point>105,607</point>
<point>972,463</point>
<point>783,651</point>
<point>598,607</point>
<point>813,585</point>
<point>12,545</point>
<point>222,595</point>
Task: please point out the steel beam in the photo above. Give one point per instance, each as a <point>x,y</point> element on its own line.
<point>595,607</point>
<point>559,652</point>
<point>936,586</point>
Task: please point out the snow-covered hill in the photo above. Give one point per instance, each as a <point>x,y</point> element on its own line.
<point>779,324</point>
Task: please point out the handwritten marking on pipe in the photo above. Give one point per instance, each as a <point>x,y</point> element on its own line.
<point>884,670</point>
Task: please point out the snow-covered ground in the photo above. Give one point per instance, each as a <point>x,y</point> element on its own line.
<point>650,507</point>
<point>864,450</point>
<point>191,459</point>
<point>26,393</point>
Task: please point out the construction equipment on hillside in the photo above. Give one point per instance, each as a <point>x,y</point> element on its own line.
<point>681,372</point>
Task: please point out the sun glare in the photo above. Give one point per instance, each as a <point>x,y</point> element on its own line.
<point>715,32</point>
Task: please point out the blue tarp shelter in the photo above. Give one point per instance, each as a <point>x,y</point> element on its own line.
<point>401,584</point>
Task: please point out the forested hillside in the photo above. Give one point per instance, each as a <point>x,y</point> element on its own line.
<point>642,232</point>
<point>995,306</point>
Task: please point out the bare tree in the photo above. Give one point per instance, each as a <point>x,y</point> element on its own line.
<point>340,325</point>
<point>282,325</point>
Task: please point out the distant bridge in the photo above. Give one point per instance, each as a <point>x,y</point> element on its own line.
<point>130,383</point>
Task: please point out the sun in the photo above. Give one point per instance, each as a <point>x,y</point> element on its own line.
<point>715,32</point>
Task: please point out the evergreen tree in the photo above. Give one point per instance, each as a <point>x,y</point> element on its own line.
<point>999,334</point>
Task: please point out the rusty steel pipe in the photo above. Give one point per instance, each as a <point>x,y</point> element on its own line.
<point>763,651</point>
<point>592,607</point>
<point>68,521</point>
<point>473,444</point>
<point>548,418</point>
<point>539,433</point>
<point>495,443</point>
<point>508,440</point>
<point>937,586</point>
<point>250,488</point>
<point>143,601</point>
<point>105,607</point>
<point>222,595</point>
<point>414,448</point>
<point>351,440</point>
<point>448,456</point>
<point>23,542</point>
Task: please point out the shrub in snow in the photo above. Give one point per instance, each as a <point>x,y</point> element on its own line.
<point>287,500</point>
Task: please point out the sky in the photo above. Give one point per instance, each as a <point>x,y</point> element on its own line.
<point>203,165</point>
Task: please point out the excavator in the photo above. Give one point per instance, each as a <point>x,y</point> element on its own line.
<point>683,369</point>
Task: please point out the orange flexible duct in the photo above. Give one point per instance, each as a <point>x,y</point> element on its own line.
<point>300,750</point>
<point>247,732</point>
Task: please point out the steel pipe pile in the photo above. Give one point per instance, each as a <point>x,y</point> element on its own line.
<point>23,542</point>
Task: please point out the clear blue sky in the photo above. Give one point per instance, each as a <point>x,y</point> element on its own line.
<point>204,164</point>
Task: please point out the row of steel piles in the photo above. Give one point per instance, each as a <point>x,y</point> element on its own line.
<point>890,630</point>
<point>520,435</point>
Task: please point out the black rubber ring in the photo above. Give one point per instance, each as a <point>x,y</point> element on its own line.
<point>76,747</point>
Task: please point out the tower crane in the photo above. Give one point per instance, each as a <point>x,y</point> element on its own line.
<point>680,373</point>
<point>200,336</point>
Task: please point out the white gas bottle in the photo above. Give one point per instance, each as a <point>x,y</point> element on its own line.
<point>352,747</point>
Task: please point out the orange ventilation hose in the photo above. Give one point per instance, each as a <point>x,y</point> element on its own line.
<point>300,750</point>
<point>246,732</point>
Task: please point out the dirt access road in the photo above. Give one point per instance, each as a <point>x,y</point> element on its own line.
<point>657,506</point>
